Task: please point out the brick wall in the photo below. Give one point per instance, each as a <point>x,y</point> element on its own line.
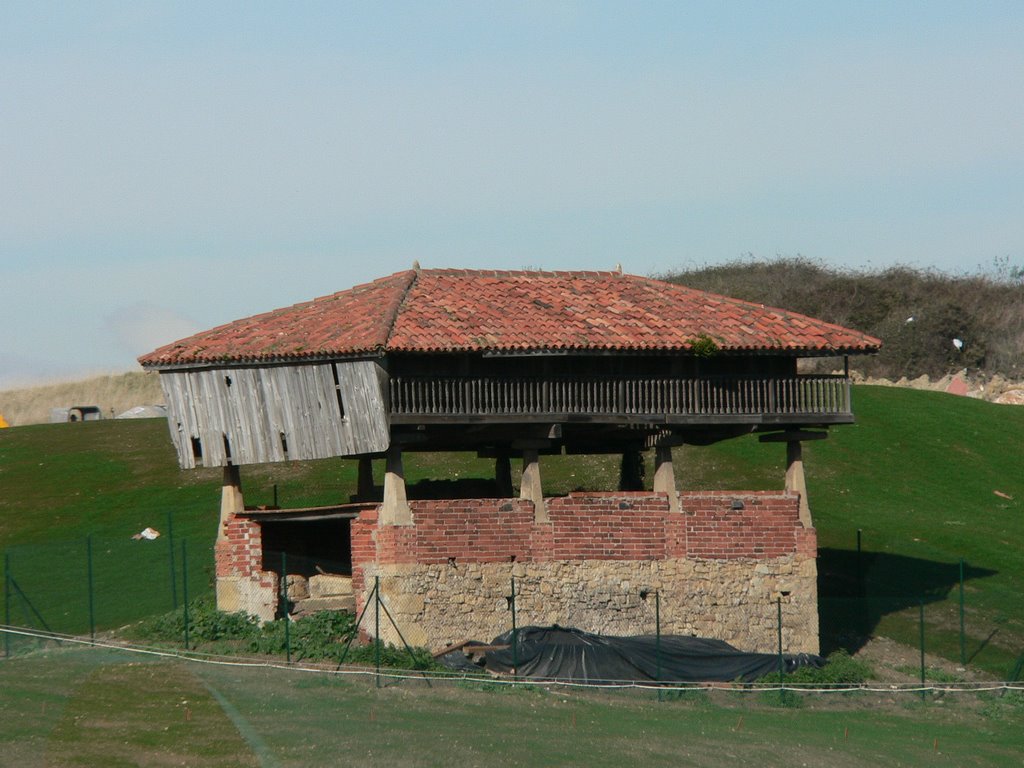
<point>242,584</point>
<point>239,550</point>
<point>588,526</point>
<point>446,578</point>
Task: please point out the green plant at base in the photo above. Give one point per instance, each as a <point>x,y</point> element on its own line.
<point>840,669</point>
<point>206,624</point>
<point>392,657</point>
<point>318,636</point>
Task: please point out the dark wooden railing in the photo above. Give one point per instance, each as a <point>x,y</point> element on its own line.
<point>620,396</point>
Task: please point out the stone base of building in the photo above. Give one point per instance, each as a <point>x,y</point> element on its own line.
<point>735,600</point>
<point>601,562</point>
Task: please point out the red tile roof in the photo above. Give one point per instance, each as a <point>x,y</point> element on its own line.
<point>448,310</point>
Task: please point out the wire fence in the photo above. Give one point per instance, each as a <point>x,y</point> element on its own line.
<point>97,585</point>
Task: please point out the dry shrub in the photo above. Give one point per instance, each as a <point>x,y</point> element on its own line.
<point>984,310</point>
<point>113,393</point>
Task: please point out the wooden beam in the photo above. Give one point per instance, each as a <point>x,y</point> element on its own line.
<point>364,485</point>
<point>503,476</point>
<point>631,471</point>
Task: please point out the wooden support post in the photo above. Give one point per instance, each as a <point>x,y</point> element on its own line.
<point>665,476</point>
<point>395,509</point>
<point>530,487</point>
<point>503,476</point>
<point>231,501</point>
<point>364,484</point>
<point>631,471</point>
<point>795,480</point>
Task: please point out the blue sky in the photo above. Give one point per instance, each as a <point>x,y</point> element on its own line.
<point>167,167</point>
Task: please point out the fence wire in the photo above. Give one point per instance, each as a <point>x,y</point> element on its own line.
<point>99,584</point>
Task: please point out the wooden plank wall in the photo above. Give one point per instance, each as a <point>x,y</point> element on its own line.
<point>255,415</point>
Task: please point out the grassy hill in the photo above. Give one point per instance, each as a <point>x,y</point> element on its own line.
<point>917,475</point>
<point>113,393</point>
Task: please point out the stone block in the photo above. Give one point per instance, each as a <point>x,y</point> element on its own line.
<point>329,585</point>
<point>298,587</point>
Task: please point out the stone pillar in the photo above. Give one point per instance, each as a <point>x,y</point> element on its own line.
<point>795,480</point>
<point>631,471</point>
<point>364,485</point>
<point>503,476</point>
<point>665,476</point>
<point>530,487</point>
<point>395,509</point>
<point>231,501</point>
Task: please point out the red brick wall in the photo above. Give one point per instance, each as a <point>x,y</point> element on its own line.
<point>624,526</point>
<point>240,551</point>
<point>583,526</point>
<point>767,527</point>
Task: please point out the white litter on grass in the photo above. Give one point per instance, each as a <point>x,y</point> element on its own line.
<point>147,533</point>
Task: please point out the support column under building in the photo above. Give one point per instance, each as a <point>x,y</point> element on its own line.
<point>631,471</point>
<point>364,485</point>
<point>665,476</point>
<point>231,501</point>
<point>530,486</point>
<point>395,508</point>
<point>503,476</point>
<point>796,482</point>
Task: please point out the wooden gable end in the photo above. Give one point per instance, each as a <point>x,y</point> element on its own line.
<point>253,415</point>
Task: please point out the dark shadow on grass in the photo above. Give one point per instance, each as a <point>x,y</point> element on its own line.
<point>856,591</point>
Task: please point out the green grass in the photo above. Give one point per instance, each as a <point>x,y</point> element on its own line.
<point>916,475</point>
<point>95,707</point>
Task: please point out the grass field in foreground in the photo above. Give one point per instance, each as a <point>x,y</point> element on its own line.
<point>88,707</point>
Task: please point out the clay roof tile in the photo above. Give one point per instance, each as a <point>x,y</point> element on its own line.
<point>479,311</point>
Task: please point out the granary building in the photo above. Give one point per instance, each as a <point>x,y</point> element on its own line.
<point>516,366</point>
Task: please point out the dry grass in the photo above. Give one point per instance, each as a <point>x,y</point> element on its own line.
<point>113,393</point>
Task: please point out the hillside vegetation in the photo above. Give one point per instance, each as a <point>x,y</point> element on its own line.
<point>113,393</point>
<point>916,313</point>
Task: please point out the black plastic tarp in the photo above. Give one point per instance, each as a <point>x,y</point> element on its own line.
<point>558,653</point>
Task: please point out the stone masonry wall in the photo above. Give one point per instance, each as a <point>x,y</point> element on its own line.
<point>596,566</point>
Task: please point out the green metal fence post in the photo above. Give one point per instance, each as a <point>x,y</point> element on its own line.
<point>7,603</point>
<point>92,592</point>
<point>515,632</point>
<point>284,599</point>
<point>782,665</point>
<point>963,639</point>
<point>657,639</point>
<point>376,626</point>
<point>923,681</point>
<point>170,558</point>
<point>184,587</point>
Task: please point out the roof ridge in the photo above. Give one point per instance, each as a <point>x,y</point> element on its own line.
<point>392,312</point>
<point>456,272</point>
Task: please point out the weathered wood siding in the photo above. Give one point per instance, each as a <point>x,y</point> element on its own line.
<point>260,414</point>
